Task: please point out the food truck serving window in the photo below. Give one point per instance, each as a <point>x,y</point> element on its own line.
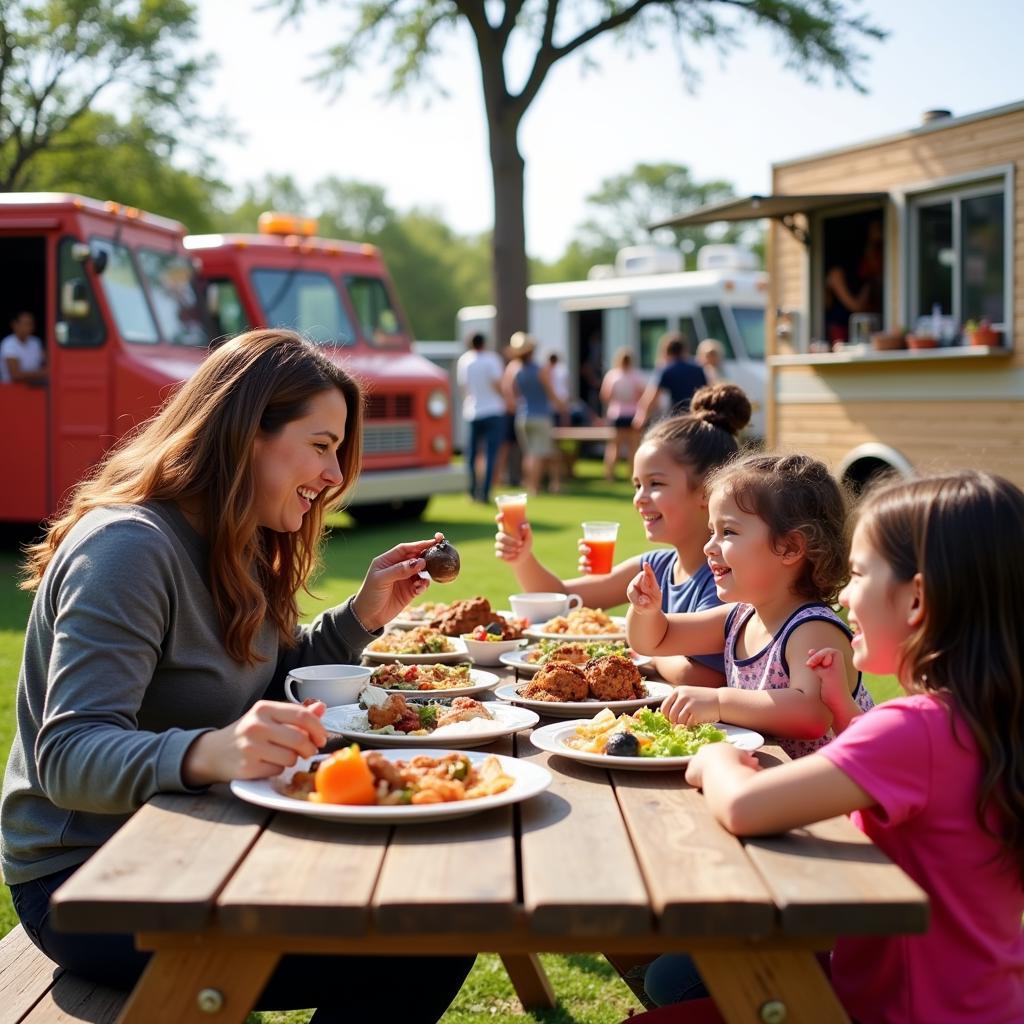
<point>305,301</point>
<point>377,317</point>
<point>123,289</point>
<point>172,288</point>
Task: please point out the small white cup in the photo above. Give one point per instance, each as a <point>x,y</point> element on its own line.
<point>541,607</point>
<point>333,684</point>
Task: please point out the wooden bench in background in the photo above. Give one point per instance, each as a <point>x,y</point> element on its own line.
<point>34,990</point>
<point>578,436</point>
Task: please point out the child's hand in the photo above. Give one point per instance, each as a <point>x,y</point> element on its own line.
<point>583,562</point>
<point>718,754</point>
<point>643,591</point>
<point>509,548</point>
<point>692,705</point>
<point>830,668</point>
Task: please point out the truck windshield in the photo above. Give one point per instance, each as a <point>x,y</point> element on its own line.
<point>172,288</point>
<point>378,319</point>
<point>305,301</point>
<point>123,290</point>
<point>750,321</point>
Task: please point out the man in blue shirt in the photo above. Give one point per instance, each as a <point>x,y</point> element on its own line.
<point>679,377</point>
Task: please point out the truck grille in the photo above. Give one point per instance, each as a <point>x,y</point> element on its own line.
<point>389,439</point>
<point>388,407</point>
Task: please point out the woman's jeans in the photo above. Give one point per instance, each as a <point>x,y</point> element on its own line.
<point>489,432</point>
<point>414,990</point>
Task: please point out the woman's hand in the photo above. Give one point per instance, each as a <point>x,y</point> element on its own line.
<point>717,755</point>
<point>270,736</point>
<point>391,582</point>
<point>643,591</point>
<point>509,548</point>
<point>692,705</point>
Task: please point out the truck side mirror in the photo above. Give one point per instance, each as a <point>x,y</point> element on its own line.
<point>82,252</point>
<point>74,300</point>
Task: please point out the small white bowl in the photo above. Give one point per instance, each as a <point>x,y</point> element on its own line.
<point>487,652</point>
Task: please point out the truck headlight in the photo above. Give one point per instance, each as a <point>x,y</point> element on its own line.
<point>437,404</point>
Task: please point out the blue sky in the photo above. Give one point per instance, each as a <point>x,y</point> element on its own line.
<point>588,124</point>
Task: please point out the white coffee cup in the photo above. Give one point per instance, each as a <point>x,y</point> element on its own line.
<point>541,607</point>
<point>333,684</point>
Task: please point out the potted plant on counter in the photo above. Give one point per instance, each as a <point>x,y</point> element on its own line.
<point>981,333</point>
<point>889,341</point>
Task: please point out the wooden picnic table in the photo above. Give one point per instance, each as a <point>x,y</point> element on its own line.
<point>611,861</point>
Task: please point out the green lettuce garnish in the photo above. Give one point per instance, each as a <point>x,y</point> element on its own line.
<point>670,740</point>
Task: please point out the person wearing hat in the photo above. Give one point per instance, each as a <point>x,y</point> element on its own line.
<point>529,386</point>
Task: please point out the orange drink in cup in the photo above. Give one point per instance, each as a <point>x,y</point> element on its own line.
<point>513,512</point>
<point>600,538</point>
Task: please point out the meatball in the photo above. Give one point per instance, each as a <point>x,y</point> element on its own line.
<point>557,681</point>
<point>614,677</point>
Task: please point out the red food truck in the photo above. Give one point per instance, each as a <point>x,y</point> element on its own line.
<point>123,318</point>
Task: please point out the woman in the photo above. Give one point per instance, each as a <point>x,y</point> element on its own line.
<point>166,615</point>
<point>620,392</point>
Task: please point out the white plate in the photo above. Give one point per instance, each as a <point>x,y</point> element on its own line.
<point>507,720</point>
<point>480,682</point>
<point>530,779</point>
<point>517,660</point>
<point>619,634</point>
<point>552,739</point>
<point>656,693</point>
<point>403,622</point>
<point>445,658</point>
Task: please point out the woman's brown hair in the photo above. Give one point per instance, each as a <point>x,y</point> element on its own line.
<point>705,437</point>
<point>198,451</point>
<point>964,533</point>
<point>796,494</point>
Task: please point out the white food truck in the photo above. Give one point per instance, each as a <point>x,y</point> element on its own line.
<point>633,303</point>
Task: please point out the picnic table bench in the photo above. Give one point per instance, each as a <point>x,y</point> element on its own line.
<point>611,861</point>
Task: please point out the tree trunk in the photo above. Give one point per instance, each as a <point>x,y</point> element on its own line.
<point>508,246</point>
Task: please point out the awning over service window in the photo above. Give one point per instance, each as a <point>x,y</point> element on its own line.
<point>756,207</point>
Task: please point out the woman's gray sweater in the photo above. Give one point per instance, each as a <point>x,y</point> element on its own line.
<point>124,667</point>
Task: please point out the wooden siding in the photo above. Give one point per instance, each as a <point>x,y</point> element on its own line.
<point>929,434</point>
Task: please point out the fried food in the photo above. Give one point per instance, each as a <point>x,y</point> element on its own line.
<point>614,677</point>
<point>557,681</point>
<point>465,616</point>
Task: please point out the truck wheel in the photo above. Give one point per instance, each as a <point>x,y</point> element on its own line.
<point>387,511</point>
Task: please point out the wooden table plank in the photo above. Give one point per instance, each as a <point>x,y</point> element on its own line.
<point>164,868</point>
<point>72,1000</point>
<point>580,876</point>
<point>829,878</point>
<point>700,879</point>
<point>452,876</point>
<point>305,875</point>
<point>26,974</point>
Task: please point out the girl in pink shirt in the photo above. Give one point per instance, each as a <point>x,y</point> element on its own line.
<point>935,778</point>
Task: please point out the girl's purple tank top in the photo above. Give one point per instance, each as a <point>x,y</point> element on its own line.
<point>769,670</point>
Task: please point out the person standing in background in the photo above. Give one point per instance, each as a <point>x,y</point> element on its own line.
<point>679,378</point>
<point>710,354</point>
<point>478,374</point>
<point>621,389</point>
<point>22,357</point>
<point>559,374</point>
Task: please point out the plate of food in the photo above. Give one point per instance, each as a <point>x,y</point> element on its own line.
<point>444,680</point>
<point>413,615</point>
<point>642,741</point>
<point>560,689</point>
<point>580,624</point>
<point>418,646</point>
<point>395,787</point>
<point>578,652</point>
<point>392,720</point>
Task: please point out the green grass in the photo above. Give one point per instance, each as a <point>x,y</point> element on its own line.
<point>588,989</point>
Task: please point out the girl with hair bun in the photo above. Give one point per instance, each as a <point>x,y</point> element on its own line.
<point>164,623</point>
<point>669,471</point>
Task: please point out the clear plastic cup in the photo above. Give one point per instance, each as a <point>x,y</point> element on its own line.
<point>513,512</point>
<point>600,538</point>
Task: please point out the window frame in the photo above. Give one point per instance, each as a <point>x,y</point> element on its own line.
<point>296,272</point>
<point>400,337</point>
<point>985,181</point>
<point>115,242</point>
<point>70,240</point>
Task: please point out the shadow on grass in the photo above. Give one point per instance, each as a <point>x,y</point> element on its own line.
<point>590,963</point>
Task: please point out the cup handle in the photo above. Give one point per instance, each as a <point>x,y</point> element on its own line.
<point>288,690</point>
<point>575,601</point>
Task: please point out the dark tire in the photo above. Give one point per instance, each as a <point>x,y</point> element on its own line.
<point>381,513</point>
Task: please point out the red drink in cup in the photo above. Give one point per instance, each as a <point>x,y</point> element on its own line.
<point>513,512</point>
<point>600,538</point>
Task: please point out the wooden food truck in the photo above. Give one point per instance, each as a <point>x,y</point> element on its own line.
<point>632,304</point>
<point>121,315</point>
<point>896,298</point>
